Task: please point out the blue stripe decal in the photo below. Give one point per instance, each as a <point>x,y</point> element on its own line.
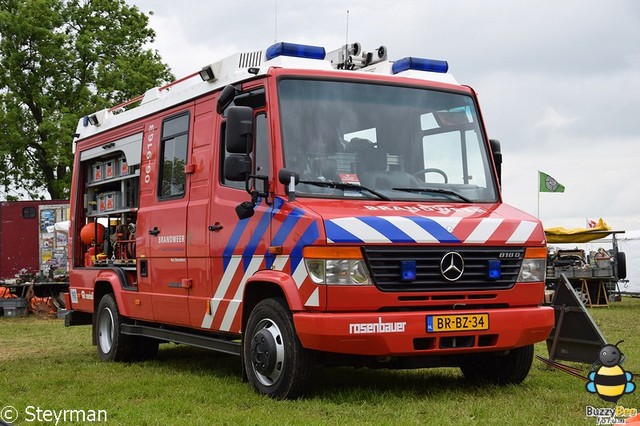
<point>435,229</point>
<point>386,228</point>
<point>381,224</point>
<point>233,242</point>
<point>278,202</point>
<point>258,234</point>
<point>338,234</point>
<point>287,226</point>
<point>285,230</point>
<point>309,236</point>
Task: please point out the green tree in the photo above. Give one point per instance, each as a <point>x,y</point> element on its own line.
<point>61,60</point>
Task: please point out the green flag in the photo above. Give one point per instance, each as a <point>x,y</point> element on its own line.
<point>549,184</point>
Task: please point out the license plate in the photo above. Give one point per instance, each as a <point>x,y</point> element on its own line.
<point>440,323</point>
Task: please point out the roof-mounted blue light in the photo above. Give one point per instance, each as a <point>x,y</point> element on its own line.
<point>295,50</point>
<point>419,64</point>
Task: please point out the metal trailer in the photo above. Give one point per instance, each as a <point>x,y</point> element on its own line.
<point>594,275</point>
<point>33,256</point>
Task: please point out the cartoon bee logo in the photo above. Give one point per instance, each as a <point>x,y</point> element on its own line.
<point>607,378</point>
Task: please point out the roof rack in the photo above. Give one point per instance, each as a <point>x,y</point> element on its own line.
<point>245,65</point>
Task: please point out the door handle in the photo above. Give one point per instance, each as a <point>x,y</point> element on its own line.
<point>155,231</point>
<point>215,227</point>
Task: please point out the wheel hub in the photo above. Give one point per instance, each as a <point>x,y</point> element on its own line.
<point>263,352</point>
<point>105,330</point>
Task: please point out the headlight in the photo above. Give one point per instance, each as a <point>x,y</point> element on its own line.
<point>336,266</point>
<point>534,265</point>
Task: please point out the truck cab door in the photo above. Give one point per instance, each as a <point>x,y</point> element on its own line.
<point>162,218</point>
<point>199,228</point>
<point>238,248</point>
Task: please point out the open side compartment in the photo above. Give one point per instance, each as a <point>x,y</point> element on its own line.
<point>110,200</point>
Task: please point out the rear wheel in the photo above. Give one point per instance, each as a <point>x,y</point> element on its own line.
<point>112,344</point>
<point>510,368</point>
<point>275,362</point>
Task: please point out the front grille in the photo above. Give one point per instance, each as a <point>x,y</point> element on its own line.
<point>384,264</point>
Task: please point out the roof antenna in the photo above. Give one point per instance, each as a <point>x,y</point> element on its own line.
<point>275,22</point>
<point>346,42</point>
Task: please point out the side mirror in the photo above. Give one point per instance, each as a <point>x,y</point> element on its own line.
<point>285,175</point>
<point>237,167</point>
<point>245,210</point>
<point>497,157</point>
<point>225,98</point>
<point>289,178</point>
<point>239,130</point>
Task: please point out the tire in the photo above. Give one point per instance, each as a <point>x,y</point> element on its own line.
<point>582,296</point>
<point>58,302</point>
<point>275,362</point>
<point>111,343</point>
<point>621,265</point>
<point>510,368</point>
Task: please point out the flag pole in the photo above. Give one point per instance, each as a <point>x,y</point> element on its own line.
<point>538,184</point>
<point>547,184</point>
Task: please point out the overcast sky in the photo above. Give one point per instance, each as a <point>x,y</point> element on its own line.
<point>558,81</point>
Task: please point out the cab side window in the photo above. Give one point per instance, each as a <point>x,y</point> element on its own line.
<point>262,165</point>
<point>175,133</point>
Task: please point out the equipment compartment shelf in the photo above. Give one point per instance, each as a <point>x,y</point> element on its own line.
<point>114,195</point>
<point>115,179</point>
<point>113,212</point>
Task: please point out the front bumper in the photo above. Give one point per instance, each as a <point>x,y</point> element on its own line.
<point>405,333</point>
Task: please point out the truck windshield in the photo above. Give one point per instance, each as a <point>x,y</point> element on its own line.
<point>405,143</point>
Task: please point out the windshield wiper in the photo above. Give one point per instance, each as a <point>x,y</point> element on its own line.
<point>342,185</point>
<point>435,190</point>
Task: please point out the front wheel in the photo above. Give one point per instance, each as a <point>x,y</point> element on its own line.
<point>510,368</point>
<point>275,362</point>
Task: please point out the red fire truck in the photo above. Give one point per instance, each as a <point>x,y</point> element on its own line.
<point>298,207</point>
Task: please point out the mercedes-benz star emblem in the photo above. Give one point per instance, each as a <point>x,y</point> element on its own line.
<point>452,266</point>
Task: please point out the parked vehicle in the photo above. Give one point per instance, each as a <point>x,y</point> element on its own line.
<point>300,208</point>
<point>33,256</point>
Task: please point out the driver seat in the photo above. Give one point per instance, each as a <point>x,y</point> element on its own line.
<point>371,162</point>
<point>371,166</point>
<point>397,179</point>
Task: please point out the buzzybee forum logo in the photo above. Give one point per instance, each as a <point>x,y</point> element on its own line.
<point>609,381</point>
<point>607,378</point>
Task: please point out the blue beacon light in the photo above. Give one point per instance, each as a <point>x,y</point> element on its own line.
<point>419,64</point>
<point>408,270</point>
<point>295,50</point>
<point>494,270</point>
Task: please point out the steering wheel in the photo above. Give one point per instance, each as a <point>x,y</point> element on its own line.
<point>430,170</point>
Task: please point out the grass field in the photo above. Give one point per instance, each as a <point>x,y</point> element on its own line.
<point>45,366</point>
